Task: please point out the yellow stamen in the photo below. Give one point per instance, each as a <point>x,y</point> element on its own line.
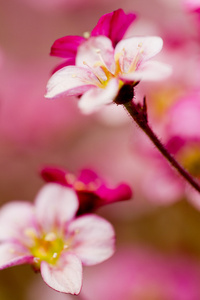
<point>86,34</point>
<point>70,178</point>
<point>79,186</point>
<point>51,236</point>
<point>30,232</point>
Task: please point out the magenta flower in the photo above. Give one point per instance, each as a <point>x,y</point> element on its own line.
<point>113,25</point>
<point>101,70</point>
<point>92,192</point>
<point>48,236</point>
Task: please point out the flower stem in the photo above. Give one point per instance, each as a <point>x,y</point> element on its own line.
<point>139,114</point>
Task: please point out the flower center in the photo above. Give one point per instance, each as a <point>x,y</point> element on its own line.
<point>46,247</point>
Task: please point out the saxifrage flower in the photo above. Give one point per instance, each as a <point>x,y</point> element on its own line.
<point>91,189</point>
<point>113,25</point>
<point>48,236</point>
<point>102,70</point>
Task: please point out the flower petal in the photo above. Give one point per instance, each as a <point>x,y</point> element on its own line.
<point>114,25</point>
<point>13,254</point>
<point>66,47</point>
<point>70,80</point>
<point>93,239</point>
<point>66,276</point>
<point>95,98</point>
<point>55,205</point>
<point>95,52</point>
<point>120,193</point>
<point>54,174</point>
<point>149,71</point>
<point>136,50</point>
<point>14,218</point>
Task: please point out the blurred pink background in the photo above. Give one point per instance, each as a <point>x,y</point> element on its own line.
<point>35,132</point>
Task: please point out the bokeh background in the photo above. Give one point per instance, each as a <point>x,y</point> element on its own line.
<point>158,241</point>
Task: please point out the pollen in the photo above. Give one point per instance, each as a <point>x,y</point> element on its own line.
<point>36,260</point>
<point>86,34</point>
<point>79,186</point>
<point>11,250</point>
<point>30,232</point>
<point>70,178</point>
<point>51,236</point>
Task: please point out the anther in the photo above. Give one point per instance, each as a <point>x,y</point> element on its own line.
<point>86,34</point>
<point>36,260</point>
<point>50,237</point>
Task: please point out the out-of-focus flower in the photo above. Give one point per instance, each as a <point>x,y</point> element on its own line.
<point>91,190</point>
<point>182,139</point>
<point>113,25</point>
<point>147,275</point>
<point>50,237</point>
<point>192,5</point>
<point>101,70</point>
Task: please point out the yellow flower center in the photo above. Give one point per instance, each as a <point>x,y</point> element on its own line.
<point>46,247</point>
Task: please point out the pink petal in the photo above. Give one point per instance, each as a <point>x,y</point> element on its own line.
<point>15,217</point>
<point>137,48</point>
<point>66,276</point>
<point>96,50</point>
<point>93,239</point>
<point>54,174</point>
<point>70,80</point>
<point>114,25</point>
<point>120,193</point>
<point>12,254</point>
<point>87,176</point>
<point>95,98</point>
<point>66,47</point>
<point>55,205</point>
<point>149,71</point>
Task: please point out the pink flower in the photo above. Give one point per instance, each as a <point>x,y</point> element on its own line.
<point>92,192</point>
<point>50,237</point>
<point>113,25</point>
<point>192,5</point>
<point>144,274</point>
<point>101,70</point>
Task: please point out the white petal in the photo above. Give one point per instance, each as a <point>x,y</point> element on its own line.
<point>93,239</point>
<point>70,80</point>
<point>96,50</point>
<point>66,276</point>
<point>12,254</point>
<point>15,217</point>
<point>55,205</point>
<point>149,71</point>
<point>95,98</point>
<point>149,46</point>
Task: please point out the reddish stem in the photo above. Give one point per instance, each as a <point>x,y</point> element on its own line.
<point>139,115</point>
